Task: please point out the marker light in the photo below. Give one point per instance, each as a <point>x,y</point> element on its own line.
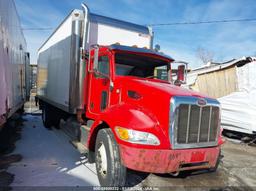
<point>137,137</point>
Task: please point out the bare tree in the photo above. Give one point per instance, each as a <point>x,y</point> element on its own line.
<point>204,55</point>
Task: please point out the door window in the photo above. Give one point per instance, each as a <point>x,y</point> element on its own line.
<point>103,65</point>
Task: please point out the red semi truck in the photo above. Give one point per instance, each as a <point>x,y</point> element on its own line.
<point>125,117</point>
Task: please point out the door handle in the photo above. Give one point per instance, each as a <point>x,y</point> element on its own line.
<point>111,86</point>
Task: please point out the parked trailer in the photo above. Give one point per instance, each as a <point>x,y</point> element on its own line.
<point>98,74</point>
<point>13,61</point>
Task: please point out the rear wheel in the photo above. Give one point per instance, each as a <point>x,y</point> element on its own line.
<point>110,170</point>
<point>46,117</point>
<point>50,116</point>
<point>55,117</point>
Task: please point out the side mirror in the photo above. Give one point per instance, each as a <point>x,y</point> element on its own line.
<point>181,73</point>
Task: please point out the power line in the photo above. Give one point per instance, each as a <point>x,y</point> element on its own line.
<point>36,29</point>
<point>202,22</point>
<point>170,24</point>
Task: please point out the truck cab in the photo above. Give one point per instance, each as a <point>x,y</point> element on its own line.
<point>150,120</point>
<point>110,68</point>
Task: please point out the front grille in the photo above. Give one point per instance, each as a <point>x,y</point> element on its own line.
<point>196,124</point>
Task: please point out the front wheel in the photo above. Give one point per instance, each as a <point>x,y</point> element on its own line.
<point>109,167</point>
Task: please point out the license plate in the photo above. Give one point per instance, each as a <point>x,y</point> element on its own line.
<point>197,156</point>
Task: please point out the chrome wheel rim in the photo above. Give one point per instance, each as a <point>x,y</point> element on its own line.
<point>102,158</point>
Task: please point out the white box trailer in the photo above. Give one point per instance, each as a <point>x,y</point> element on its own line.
<point>59,58</point>
<point>13,61</point>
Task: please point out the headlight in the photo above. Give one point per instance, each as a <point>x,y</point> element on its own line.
<point>137,137</point>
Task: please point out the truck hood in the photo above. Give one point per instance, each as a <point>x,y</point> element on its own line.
<point>159,87</point>
<point>152,98</point>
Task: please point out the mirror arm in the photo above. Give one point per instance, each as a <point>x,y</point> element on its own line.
<point>169,73</point>
<point>96,58</point>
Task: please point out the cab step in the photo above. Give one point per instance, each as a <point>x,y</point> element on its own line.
<point>70,128</point>
<point>78,134</point>
<point>79,146</point>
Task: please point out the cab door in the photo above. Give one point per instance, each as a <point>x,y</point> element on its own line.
<point>99,89</point>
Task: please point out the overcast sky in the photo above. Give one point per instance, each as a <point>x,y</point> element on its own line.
<point>225,40</point>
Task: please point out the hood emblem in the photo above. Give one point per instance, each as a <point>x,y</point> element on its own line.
<point>201,102</point>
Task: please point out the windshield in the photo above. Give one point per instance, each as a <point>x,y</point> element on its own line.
<point>127,64</point>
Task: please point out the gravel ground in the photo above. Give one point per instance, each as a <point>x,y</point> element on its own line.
<point>50,160</point>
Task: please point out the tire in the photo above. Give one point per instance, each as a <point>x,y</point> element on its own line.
<point>50,117</point>
<point>46,117</point>
<point>21,110</point>
<point>111,172</point>
<point>55,118</point>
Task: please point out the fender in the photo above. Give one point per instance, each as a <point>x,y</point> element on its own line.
<point>131,117</point>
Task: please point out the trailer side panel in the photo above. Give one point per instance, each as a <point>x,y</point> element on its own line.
<point>12,61</point>
<point>57,59</point>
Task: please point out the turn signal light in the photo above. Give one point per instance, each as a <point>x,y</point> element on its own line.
<point>137,137</point>
<point>123,133</point>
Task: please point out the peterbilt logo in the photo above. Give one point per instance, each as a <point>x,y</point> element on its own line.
<point>201,102</point>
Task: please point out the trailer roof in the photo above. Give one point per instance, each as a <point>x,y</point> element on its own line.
<point>140,50</point>
<point>119,23</point>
